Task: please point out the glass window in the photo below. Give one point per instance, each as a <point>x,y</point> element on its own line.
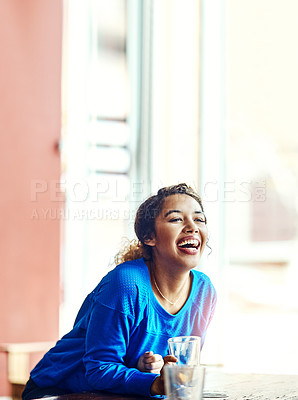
<point>97,151</point>
<point>262,165</point>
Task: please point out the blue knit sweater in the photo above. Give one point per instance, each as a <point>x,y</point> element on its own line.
<point>118,322</point>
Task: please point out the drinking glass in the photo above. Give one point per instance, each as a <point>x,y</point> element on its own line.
<point>186,349</point>
<point>183,382</point>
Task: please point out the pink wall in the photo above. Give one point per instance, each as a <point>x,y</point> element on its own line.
<point>30,113</point>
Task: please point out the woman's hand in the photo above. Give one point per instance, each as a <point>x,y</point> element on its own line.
<point>158,386</point>
<point>150,362</point>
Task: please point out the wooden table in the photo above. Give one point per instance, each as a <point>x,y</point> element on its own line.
<point>252,386</point>
<point>233,386</point>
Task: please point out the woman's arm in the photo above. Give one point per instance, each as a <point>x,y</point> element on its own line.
<point>107,338</point>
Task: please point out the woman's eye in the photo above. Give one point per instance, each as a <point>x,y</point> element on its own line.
<point>175,219</point>
<point>201,220</point>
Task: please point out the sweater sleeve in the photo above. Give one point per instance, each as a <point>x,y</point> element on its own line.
<point>107,339</point>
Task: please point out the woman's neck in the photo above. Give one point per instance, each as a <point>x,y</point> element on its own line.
<point>170,289</point>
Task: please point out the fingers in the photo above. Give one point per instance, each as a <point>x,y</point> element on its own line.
<point>148,355</point>
<point>155,371</point>
<point>153,362</point>
<point>152,358</point>
<point>169,359</point>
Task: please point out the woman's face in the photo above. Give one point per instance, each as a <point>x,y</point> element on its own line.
<point>180,232</point>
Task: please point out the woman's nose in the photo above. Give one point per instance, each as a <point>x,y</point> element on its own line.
<point>191,227</point>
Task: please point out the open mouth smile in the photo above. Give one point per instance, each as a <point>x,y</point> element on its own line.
<point>189,246</point>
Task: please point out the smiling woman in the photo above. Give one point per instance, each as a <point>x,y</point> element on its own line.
<point>147,213</point>
<point>119,339</point>
<point>177,245</point>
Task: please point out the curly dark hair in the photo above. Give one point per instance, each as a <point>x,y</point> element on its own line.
<point>146,215</point>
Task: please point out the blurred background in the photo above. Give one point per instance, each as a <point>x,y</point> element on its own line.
<point>102,103</point>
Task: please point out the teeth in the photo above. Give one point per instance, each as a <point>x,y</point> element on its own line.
<point>193,242</point>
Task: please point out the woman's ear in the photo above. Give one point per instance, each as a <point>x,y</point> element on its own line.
<point>150,241</point>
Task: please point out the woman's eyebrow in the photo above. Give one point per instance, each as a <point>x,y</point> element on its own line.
<point>179,211</point>
<point>172,211</point>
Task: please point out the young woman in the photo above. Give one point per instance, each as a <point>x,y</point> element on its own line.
<point>119,339</point>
